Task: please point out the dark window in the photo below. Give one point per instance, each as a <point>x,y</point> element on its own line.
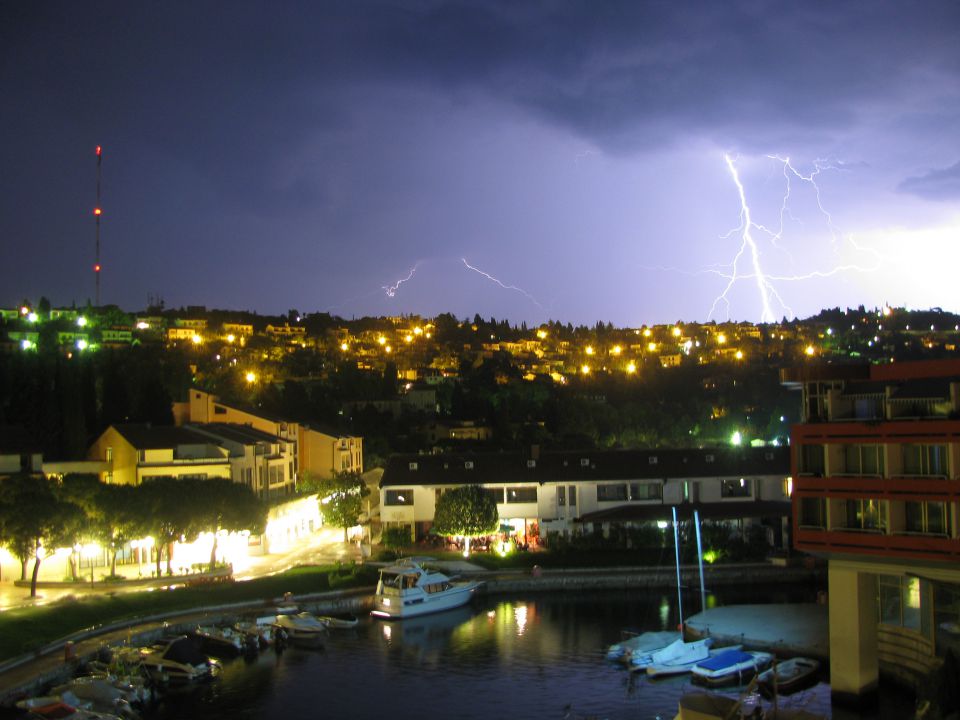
<point>611,493</point>
<point>561,495</point>
<point>572,495</point>
<point>521,494</point>
<point>646,491</point>
<point>928,460</point>
<point>496,494</point>
<point>926,517</point>
<point>811,459</point>
<point>399,497</point>
<point>740,488</point>
<point>813,512</point>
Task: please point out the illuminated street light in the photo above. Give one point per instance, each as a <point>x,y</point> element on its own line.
<point>542,334</point>
<point>418,330</point>
<point>344,346</point>
<point>721,338</point>
<point>585,369</point>
<point>196,339</point>
<point>739,355</point>
<point>82,321</point>
<point>82,344</point>
<point>810,350</point>
<point>143,325</point>
<point>652,347</point>
<point>736,438</point>
<point>631,367</point>
<point>616,350</point>
<point>589,350</point>
<point>250,377</point>
<point>382,340</point>
<point>231,337</point>
<point>676,332</point>
<point>32,317</point>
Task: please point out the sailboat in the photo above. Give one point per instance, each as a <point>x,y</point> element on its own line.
<point>679,655</point>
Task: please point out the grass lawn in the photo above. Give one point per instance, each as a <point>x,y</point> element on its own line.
<point>25,629</point>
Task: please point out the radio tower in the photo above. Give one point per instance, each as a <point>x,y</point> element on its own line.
<point>97,212</point>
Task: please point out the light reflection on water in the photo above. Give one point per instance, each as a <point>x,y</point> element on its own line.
<point>536,657</point>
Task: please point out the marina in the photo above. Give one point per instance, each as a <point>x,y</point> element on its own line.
<point>540,655</point>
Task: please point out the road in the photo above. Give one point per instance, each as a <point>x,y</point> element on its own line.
<point>324,547</point>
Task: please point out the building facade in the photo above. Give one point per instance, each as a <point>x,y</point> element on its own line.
<point>876,469</point>
<point>592,491</point>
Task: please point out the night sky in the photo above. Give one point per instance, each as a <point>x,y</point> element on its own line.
<point>311,155</point>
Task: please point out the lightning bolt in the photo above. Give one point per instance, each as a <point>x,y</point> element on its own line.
<point>490,277</point>
<point>749,251</point>
<point>391,290</point>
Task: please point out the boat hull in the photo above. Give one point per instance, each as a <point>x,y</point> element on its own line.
<point>717,672</point>
<point>400,606</point>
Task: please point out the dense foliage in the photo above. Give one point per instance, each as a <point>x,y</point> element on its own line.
<point>468,511</point>
<point>341,498</point>
<point>39,514</point>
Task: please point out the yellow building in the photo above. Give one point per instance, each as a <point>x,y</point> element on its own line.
<point>134,452</point>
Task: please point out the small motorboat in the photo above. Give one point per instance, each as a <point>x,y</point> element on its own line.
<point>339,622</point>
<point>221,642</point>
<point>731,667</point>
<point>677,652</point>
<point>788,676</point>
<point>302,629</point>
<point>680,665</point>
<point>261,630</point>
<point>176,660</point>
<point>408,588</point>
<point>640,645</point>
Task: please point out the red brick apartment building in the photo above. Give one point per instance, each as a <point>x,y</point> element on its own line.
<point>875,463</point>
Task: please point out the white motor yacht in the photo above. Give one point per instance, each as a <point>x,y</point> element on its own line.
<point>408,588</point>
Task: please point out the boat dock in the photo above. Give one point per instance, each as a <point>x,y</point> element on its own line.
<point>784,629</point>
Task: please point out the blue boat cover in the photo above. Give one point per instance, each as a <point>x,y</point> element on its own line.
<point>725,659</point>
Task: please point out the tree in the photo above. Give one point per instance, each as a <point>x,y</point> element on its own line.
<point>226,505</point>
<point>33,519</point>
<point>341,498</point>
<point>469,511</point>
<point>170,511</point>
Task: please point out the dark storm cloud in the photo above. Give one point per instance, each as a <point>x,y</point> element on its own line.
<point>358,137</point>
<point>935,185</point>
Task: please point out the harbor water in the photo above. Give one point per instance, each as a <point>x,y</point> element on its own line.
<point>539,656</point>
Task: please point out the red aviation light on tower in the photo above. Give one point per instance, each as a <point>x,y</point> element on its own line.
<point>97,211</point>
<point>99,151</point>
<point>96,268</point>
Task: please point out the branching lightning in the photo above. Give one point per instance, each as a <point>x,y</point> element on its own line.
<point>490,277</point>
<point>750,250</point>
<point>391,290</point>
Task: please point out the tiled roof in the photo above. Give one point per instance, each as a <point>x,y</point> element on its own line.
<point>587,465</point>
<point>245,434</point>
<point>144,436</point>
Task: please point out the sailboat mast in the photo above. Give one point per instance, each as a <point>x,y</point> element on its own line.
<point>676,549</point>
<point>703,591</point>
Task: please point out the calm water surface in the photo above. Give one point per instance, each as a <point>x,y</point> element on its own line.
<point>534,657</point>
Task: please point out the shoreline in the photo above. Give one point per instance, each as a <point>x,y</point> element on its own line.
<point>28,674</point>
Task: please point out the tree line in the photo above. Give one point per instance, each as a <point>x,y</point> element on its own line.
<point>38,515</point>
